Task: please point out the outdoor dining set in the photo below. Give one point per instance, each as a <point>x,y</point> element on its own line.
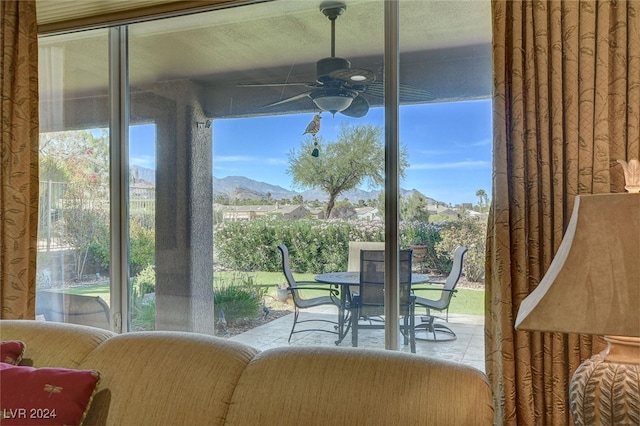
<point>358,295</point>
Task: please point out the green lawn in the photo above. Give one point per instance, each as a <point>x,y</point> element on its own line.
<point>101,290</point>
<point>466,301</point>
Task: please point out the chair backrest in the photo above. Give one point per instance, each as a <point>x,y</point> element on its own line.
<point>455,274</point>
<point>73,308</point>
<point>371,288</point>
<point>286,269</point>
<point>353,261</point>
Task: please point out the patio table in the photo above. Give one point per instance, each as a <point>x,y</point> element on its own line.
<point>345,280</point>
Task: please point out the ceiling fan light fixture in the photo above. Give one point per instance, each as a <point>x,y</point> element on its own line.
<point>358,77</point>
<point>333,100</point>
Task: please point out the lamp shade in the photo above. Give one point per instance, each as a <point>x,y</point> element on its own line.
<point>593,283</point>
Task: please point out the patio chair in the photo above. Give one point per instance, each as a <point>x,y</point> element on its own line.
<point>297,290</point>
<point>440,302</point>
<point>353,259</point>
<point>368,301</point>
<point>419,258</point>
<point>73,308</point>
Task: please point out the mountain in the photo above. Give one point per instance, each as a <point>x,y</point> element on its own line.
<point>240,187</point>
<point>244,188</point>
<point>142,173</point>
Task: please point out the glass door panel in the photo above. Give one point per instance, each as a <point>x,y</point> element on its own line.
<point>73,236</point>
<point>446,52</point>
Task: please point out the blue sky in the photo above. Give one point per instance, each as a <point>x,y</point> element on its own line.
<point>448,145</point>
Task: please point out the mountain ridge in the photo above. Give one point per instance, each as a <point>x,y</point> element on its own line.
<point>242,187</point>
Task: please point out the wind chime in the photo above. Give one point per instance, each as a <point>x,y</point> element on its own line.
<point>312,128</point>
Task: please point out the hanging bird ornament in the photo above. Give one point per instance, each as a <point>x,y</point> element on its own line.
<point>312,128</point>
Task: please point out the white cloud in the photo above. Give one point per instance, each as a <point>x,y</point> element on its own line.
<point>453,165</point>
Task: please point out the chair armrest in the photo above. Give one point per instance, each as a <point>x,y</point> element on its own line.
<point>332,291</point>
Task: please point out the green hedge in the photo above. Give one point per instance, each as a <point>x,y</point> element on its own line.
<point>314,246</point>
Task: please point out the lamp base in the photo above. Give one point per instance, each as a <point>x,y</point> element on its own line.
<point>605,388</point>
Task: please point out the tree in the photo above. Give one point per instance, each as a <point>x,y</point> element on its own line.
<point>482,199</point>
<point>414,207</point>
<point>80,159</point>
<point>343,210</point>
<point>297,199</point>
<point>357,156</point>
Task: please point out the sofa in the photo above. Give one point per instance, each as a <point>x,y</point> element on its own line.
<point>176,378</point>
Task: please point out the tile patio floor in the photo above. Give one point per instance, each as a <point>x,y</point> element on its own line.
<point>468,348</point>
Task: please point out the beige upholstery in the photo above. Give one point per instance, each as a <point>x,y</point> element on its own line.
<point>172,378</point>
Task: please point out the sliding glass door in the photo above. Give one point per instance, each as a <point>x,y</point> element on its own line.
<point>254,126</point>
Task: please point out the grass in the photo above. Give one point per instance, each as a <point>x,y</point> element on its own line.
<point>101,290</point>
<point>465,301</point>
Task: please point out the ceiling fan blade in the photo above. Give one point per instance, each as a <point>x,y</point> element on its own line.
<point>354,75</point>
<point>359,108</point>
<point>276,84</point>
<point>410,93</point>
<point>290,99</point>
<point>407,93</point>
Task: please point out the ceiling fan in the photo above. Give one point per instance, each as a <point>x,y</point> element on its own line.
<point>338,87</point>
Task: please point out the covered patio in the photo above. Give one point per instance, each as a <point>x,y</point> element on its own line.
<point>467,348</point>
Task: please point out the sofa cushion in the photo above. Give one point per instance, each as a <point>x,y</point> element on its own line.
<point>53,344</point>
<point>45,396</point>
<point>325,385</point>
<point>11,351</point>
<point>165,378</point>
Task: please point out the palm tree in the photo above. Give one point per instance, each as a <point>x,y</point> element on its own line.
<point>482,199</point>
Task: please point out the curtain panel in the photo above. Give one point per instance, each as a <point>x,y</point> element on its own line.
<point>18,158</point>
<point>566,107</point>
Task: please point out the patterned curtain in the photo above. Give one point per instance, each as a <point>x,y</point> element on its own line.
<point>566,106</point>
<point>18,158</point>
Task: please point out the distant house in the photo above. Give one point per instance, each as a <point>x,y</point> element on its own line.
<point>254,212</point>
<point>467,206</point>
<point>367,213</point>
<point>316,213</point>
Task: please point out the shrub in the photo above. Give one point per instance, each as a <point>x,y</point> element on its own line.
<point>141,246</point>
<point>145,282</point>
<point>144,317</point>
<point>239,299</point>
<point>470,233</point>
<point>314,246</point>
<point>426,234</point>
<point>322,246</point>
<point>143,313</point>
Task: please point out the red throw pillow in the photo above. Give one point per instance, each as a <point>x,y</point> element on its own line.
<point>45,396</point>
<point>11,351</point>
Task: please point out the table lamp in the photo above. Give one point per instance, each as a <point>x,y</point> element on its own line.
<point>593,287</point>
